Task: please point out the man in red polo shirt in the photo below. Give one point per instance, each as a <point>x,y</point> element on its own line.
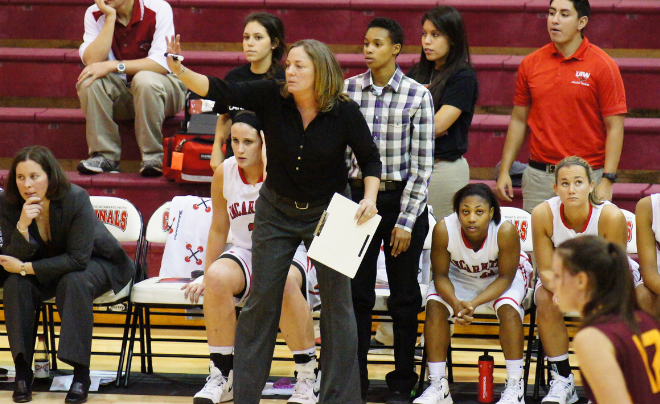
<point>570,94</point>
<point>126,77</point>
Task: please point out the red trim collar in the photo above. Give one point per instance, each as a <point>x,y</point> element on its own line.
<point>586,224</point>
<point>240,172</point>
<point>467,242</point>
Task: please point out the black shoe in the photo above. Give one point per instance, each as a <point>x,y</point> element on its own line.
<point>77,393</point>
<point>22,391</point>
<point>396,397</point>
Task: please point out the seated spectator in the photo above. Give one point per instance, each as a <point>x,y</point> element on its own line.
<point>54,246</point>
<point>235,188</point>
<point>617,344</point>
<point>126,77</point>
<point>647,216</point>
<point>476,259</point>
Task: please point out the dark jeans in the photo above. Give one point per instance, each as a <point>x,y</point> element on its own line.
<point>278,230</point>
<point>74,296</point>
<point>405,299</point>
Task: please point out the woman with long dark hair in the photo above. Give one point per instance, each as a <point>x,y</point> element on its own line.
<point>307,123</point>
<point>263,47</point>
<point>54,246</point>
<point>446,69</point>
<point>618,345</point>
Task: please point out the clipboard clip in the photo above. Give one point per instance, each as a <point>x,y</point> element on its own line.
<point>319,227</point>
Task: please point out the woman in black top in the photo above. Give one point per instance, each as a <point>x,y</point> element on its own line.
<point>445,68</point>
<point>307,124</point>
<point>54,245</point>
<point>264,47</point>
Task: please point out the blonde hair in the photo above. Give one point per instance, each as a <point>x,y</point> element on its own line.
<point>579,161</point>
<point>328,76</point>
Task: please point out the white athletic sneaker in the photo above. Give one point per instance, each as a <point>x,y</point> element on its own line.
<point>304,393</point>
<point>514,392</point>
<point>218,388</point>
<point>562,390</point>
<point>436,393</point>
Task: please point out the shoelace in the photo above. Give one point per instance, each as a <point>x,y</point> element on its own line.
<point>214,380</point>
<point>562,385</point>
<point>307,391</point>
<point>433,392</point>
<point>511,390</point>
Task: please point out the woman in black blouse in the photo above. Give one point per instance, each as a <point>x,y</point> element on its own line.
<point>307,123</point>
<point>445,68</point>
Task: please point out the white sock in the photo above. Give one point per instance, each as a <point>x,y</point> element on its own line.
<point>438,369</point>
<point>222,350</point>
<point>311,351</point>
<point>514,369</point>
<point>558,358</point>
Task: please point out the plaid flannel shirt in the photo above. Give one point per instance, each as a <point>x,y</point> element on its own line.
<point>401,120</point>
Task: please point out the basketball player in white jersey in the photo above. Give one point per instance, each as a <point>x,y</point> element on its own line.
<point>226,282</point>
<point>476,260</point>
<point>647,218</point>
<point>575,211</point>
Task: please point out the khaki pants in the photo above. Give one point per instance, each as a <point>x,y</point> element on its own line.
<point>537,186</point>
<point>447,178</point>
<point>148,99</point>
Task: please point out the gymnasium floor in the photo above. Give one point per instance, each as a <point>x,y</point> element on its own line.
<point>195,370</point>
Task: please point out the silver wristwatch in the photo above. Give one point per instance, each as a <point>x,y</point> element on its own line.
<point>23,273</point>
<point>121,67</point>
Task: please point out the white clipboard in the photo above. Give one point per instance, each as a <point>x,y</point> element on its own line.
<point>338,241</point>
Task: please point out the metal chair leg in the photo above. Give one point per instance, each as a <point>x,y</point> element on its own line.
<point>131,344</point>
<point>530,344</point>
<point>422,371</point>
<point>124,343</point>
<point>147,319</point>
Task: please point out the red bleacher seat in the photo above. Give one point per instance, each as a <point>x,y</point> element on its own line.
<point>626,196</point>
<point>518,23</point>
<point>63,131</point>
<point>23,73</point>
<point>641,150</point>
<point>653,189</point>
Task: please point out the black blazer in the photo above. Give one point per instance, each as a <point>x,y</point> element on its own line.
<point>77,236</point>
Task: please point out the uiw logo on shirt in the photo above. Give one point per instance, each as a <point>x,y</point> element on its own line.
<point>582,78</point>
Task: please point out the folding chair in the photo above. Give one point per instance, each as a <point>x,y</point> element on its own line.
<point>124,222</point>
<point>153,294</point>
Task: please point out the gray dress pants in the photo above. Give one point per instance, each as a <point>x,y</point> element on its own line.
<point>74,294</point>
<point>279,229</point>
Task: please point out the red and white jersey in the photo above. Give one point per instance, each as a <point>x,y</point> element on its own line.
<point>655,224</point>
<point>465,262</point>
<point>241,198</point>
<point>561,232</point>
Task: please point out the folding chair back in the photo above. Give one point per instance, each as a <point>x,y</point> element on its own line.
<point>632,233</point>
<point>523,222</point>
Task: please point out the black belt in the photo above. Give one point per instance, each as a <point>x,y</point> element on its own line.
<point>384,185</point>
<point>548,168</point>
<point>302,205</point>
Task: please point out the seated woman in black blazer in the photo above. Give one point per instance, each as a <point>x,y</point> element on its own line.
<point>54,245</point>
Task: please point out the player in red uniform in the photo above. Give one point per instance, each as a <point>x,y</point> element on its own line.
<point>618,345</point>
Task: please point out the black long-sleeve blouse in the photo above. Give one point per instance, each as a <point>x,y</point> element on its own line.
<point>303,164</point>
